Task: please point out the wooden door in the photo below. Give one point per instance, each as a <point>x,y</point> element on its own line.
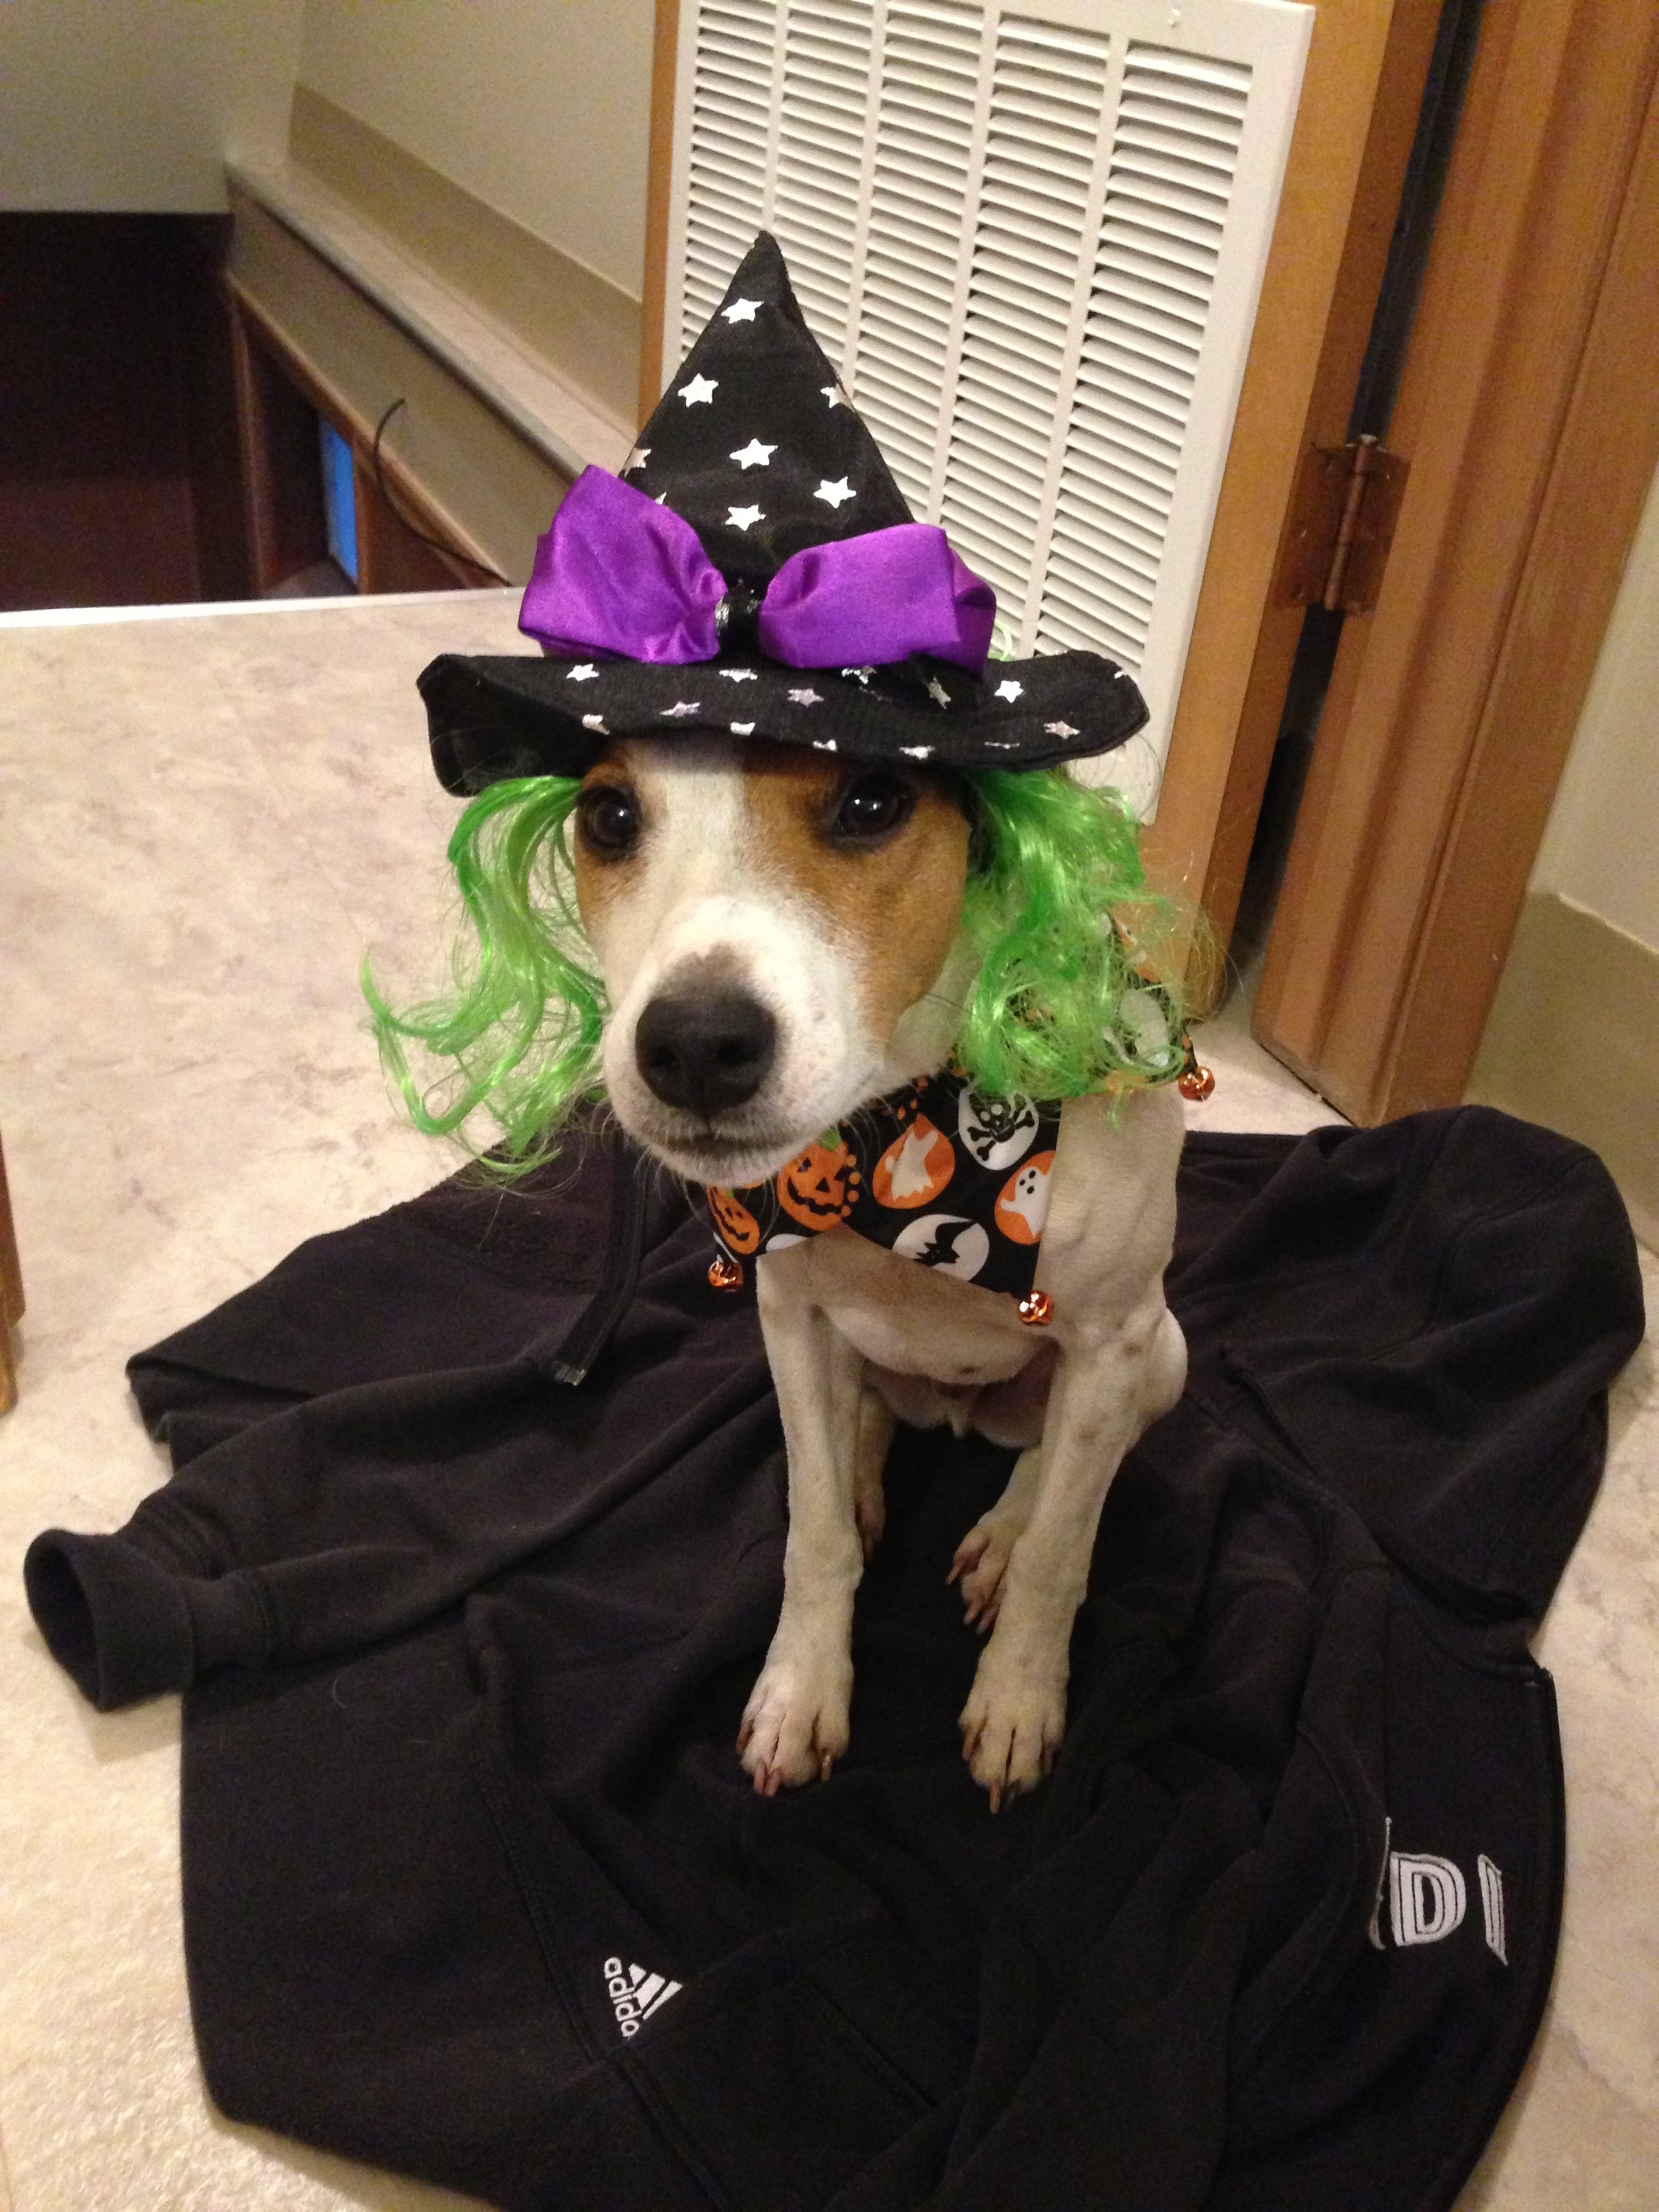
<point>1361,90</point>
<point>1528,413</point>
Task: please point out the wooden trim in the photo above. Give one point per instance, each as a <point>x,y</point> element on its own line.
<point>11,1272</point>
<point>1361,93</point>
<point>282,470</point>
<point>665,52</point>
<point>254,332</point>
<point>1525,410</point>
<point>11,1295</point>
<point>211,428</point>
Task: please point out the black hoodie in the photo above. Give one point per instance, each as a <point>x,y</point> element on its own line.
<point>471,1555</point>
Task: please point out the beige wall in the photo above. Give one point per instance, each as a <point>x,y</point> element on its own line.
<point>1601,847</point>
<point>1573,1037</point>
<point>538,107</point>
<point>134,104</point>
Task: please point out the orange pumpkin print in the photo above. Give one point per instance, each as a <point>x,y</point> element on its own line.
<point>738,1226</point>
<point>1022,1202</point>
<point>915,1167</point>
<point>818,1186</point>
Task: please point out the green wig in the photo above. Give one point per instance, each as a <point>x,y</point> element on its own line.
<point>1056,916</point>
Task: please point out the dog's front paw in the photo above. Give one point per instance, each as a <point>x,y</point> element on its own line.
<point>1012,1725</point>
<point>980,1564</point>
<point>795,1726</point>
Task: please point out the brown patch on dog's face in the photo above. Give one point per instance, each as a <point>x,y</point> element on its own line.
<point>893,892</point>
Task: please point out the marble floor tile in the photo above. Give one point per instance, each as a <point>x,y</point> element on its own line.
<point>1583,2127</point>
<point>204,823</point>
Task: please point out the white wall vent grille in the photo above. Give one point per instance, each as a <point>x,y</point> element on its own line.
<point>1032,239</point>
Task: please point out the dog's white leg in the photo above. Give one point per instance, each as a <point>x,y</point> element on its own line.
<point>983,1554</point>
<point>877,1422</point>
<point>1107,1388</point>
<point>795,1725</point>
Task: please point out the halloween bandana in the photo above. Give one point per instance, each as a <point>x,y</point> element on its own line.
<point>934,1173</point>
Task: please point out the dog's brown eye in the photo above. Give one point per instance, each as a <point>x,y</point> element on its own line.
<point>609,820</point>
<point>872,806</point>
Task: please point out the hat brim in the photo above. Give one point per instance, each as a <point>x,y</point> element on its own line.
<point>493,716</point>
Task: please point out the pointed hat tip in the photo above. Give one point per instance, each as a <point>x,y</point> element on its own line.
<point>764,273</point>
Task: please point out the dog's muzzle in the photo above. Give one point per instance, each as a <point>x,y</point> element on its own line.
<point>705,1051</point>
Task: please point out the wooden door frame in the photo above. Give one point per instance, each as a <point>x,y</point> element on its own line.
<point>1361,96</point>
<point>1525,410</point>
<point>658,196</point>
<point>1368,62</point>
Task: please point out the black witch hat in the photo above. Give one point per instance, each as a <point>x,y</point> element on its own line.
<point>755,571</point>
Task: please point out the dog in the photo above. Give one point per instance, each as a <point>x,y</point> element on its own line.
<point>781,941</point>
<point>797,917</point>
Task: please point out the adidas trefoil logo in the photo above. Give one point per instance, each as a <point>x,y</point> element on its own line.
<point>634,1993</point>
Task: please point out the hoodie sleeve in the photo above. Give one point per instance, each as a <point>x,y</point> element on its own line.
<point>393,1416</point>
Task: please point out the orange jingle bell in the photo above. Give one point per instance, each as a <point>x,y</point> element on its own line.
<point>725,1275</point>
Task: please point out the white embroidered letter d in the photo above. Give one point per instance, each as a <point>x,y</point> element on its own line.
<point>1427,1897</point>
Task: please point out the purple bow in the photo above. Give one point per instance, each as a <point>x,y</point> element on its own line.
<point>617,575</point>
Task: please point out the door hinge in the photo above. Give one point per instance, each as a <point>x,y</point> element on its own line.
<point>1343,512</point>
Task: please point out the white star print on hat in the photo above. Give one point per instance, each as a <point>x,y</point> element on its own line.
<point>742,729</point>
<point>583,673</point>
<point>1059,729</point>
<point>836,493</point>
<point>639,460</point>
<point>595,722</point>
<point>739,675</point>
<point>744,517</point>
<point>940,695</point>
<point>806,698</point>
<point>682,706</point>
<point>700,392</point>
<point>754,455</point>
<point>833,393</point>
<point>1009,689</point>
<point>741,311</point>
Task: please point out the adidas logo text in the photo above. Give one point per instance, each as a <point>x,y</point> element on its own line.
<point>634,1993</point>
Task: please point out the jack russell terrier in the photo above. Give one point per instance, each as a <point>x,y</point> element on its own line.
<point>760,738</point>
<point>779,940</point>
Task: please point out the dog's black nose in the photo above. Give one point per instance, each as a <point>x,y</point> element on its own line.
<point>708,1050</point>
